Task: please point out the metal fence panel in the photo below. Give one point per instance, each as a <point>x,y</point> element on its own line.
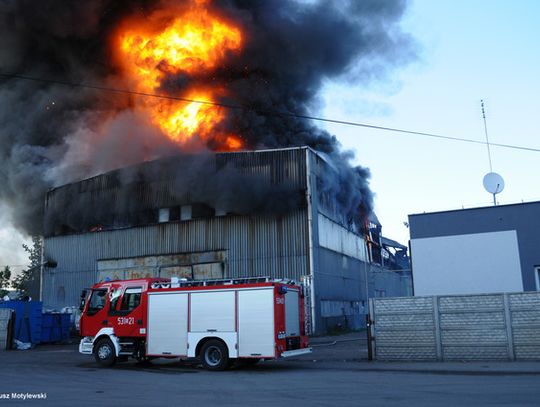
<point>457,327</point>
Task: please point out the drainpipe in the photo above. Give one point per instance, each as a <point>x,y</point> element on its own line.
<point>41,268</point>
<point>310,243</point>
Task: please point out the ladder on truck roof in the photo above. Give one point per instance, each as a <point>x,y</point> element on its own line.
<point>212,282</point>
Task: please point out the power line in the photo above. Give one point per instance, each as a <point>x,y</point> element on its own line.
<point>264,112</point>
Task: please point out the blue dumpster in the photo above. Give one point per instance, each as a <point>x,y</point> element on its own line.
<point>27,320</point>
<point>54,327</point>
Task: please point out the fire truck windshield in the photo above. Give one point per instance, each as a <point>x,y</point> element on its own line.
<point>97,301</point>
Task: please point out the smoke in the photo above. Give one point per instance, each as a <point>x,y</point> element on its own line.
<point>52,134</point>
<point>130,196</point>
<point>10,249</point>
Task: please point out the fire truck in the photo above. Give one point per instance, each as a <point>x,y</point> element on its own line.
<point>217,321</point>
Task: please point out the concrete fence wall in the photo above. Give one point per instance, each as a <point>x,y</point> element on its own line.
<point>465,327</point>
<point>5,318</point>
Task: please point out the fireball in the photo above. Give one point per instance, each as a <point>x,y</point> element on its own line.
<point>189,43</point>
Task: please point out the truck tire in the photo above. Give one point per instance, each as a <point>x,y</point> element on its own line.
<point>105,353</point>
<point>215,355</point>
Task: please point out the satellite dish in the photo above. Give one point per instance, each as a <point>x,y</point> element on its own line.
<point>493,183</point>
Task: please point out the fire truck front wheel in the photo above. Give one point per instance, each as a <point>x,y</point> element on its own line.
<point>104,352</point>
<point>215,355</point>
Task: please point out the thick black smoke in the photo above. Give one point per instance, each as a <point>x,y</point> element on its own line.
<point>51,134</point>
<point>211,184</point>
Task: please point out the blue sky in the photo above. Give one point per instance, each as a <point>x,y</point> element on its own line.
<point>467,51</point>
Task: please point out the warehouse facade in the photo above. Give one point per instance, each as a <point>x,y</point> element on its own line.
<point>224,215</point>
<point>478,250</point>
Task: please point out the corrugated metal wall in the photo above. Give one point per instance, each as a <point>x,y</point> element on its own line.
<point>256,246</point>
<point>342,290</point>
<point>240,183</point>
<point>338,265</point>
<point>260,243</point>
<point>385,283</point>
<point>468,327</point>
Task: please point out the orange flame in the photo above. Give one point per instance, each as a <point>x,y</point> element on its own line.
<point>189,42</point>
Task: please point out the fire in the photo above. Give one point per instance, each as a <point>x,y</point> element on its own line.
<point>184,43</point>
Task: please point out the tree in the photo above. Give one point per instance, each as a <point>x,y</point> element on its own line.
<point>5,276</point>
<point>25,282</point>
<point>34,252</point>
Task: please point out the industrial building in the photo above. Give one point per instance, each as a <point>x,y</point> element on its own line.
<point>221,215</point>
<point>480,250</point>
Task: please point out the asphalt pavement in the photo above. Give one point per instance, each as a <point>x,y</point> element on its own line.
<point>352,347</point>
<point>337,373</point>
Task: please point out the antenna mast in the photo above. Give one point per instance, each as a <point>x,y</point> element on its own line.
<point>486,132</point>
<point>493,182</point>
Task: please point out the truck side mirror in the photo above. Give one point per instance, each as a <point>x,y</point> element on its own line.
<point>83,300</point>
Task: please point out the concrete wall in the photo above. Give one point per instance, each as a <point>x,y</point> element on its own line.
<point>6,316</point>
<point>450,328</point>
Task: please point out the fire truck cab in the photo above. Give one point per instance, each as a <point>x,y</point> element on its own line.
<point>218,321</point>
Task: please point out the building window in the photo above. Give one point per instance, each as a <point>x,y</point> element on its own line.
<point>537,276</point>
<point>163,215</point>
<point>185,212</point>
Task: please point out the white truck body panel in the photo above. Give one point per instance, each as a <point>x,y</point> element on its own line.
<point>256,323</point>
<point>167,324</point>
<point>244,319</point>
<point>213,311</point>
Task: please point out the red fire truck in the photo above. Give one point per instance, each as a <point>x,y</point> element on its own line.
<point>218,321</point>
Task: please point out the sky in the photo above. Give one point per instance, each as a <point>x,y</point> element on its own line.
<point>466,51</point>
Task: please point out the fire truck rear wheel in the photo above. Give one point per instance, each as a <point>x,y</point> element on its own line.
<point>105,353</point>
<point>215,355</point>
